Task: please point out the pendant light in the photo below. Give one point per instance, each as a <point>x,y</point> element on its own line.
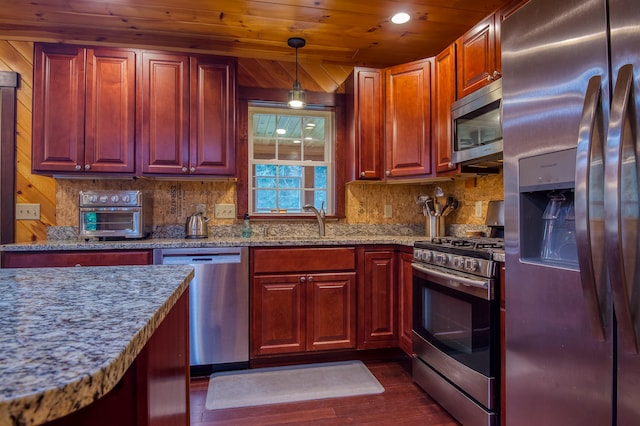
<point>297,96</point>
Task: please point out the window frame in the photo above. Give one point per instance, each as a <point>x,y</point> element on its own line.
<point>343,151</point>
<point>328,114</point>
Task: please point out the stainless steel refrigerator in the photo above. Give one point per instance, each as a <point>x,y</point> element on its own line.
<point>571,90</point>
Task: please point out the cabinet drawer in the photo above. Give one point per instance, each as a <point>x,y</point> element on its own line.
<point>304,260</point>
<point>45,259</point>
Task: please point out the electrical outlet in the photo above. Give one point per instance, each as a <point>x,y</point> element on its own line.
<point>201,208</point>
<point>225,211</point>
<point>478,208</point>
<point>27,211</point>
<point>388,210</point>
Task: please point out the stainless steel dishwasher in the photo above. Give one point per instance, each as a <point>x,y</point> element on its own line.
<point>218,306</point>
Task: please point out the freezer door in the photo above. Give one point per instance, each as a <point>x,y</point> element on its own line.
<point>559,372</point>
<point>625,123</point>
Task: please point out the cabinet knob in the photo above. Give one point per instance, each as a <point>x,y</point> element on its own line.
<point>362,174</point>
<point>78,167</point>
<point>496,75</point>
<point>184,169</point>
<point>310,279</point>
<point>303,280</point>
<point>193,169</point>
<point>77,265</point>
<point>451,166</point>
<point>87,166</point>
<point>388,173</point>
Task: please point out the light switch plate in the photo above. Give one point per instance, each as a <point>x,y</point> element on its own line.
<point>388,210</point>
<point>27,211</point>
<point>478,212</point>
<point>225,211</point>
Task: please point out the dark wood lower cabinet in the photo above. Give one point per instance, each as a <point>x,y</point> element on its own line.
<point>43,259</point>
<point>155,389</point>
<point>302,300</point>
<point>377,298</point>
<point>405,296</point>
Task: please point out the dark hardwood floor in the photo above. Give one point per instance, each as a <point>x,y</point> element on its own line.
<point>402,403</point>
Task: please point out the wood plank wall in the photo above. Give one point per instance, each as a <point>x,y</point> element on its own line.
<point>17,56</point>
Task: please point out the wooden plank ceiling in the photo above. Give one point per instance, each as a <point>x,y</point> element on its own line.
<point>339,34</point>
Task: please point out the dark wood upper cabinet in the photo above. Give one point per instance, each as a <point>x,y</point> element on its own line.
<point>477,58</point>
<point>188,114</point>
<point>83,109</point>
<point>164,113</point>
<point>408,120</point>
<point>213,107</point>
<point>444,94</point>
<point>365,109</point>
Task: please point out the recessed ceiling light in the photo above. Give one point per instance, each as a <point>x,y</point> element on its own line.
<point>281,131</point>
<point>400,18</point>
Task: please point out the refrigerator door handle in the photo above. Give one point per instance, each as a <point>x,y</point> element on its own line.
<point>589,215</point>
<point>618,191</point>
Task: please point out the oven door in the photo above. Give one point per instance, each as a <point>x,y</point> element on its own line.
<point>110,222</point>
<point>455,326</point>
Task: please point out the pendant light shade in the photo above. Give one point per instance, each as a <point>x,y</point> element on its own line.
<point>297,96</point>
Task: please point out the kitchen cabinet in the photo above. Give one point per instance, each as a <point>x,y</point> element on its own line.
<point>83,109</point>
<point>408,120</point>
<point>44,259</point>
<point>187,118</point>
<point>157,379</point>
<point>377,298</point>
<point>365,118</point>
<point>444,94</point>
<point>477,56</point>
<point>302,299</point>
<point>405,294</point>
<point>502,14</point>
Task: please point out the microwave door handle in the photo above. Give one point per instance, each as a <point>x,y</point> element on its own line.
<point>617,153</point>
<point>589,195</point>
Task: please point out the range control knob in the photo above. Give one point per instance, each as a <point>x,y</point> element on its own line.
<point>104,198</point>
<point>458,262</point>
<point>126,198</point>
<point>442,259</point>
<point>114,198</point>
<point>471,265</point>
<point>428,256</point>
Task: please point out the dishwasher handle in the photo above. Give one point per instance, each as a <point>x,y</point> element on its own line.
<point>201,259</point>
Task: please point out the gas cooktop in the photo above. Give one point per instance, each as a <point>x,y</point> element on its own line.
<point>482,247</point>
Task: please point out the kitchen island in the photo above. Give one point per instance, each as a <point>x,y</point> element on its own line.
<point>72,339</point>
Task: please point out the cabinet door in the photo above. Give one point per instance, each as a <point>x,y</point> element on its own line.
<point>405,290</point>
<point>368,122</point>
<point>408,119</point>
<point>278,314</point>
<point>444,94</point>
<point>110,111</point>
<point>378,301</point>
<point>164,115</point>
<point>331,311</point>
<point>477,57</point>
<point>58,108</point>
<point>212,123</point>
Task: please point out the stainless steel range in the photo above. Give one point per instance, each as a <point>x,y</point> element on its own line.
<point>456,325</point>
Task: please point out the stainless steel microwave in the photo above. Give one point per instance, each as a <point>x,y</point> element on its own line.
<point>477,127</point>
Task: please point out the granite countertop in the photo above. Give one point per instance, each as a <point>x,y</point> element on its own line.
<point>254,241</point>
<point>67,335</point>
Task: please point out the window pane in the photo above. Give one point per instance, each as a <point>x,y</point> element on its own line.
<point>289,200</point>
<point>264,149</point>
<point>292,126</point>
<point>264,126</point>
<point>314,150</point>
<point>290,150</point>
<point>291,171</point>
<point>320,180</point>
<point>265,200</point>
<point>265,182</point>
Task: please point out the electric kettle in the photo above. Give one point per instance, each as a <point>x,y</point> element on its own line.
<point>196,226</point>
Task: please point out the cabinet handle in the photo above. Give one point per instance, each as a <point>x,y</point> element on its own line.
<point>193,169</point>
<point>184,169</point>
<point>87,166</point>
<point>78,167</point>
<point>388,173</point>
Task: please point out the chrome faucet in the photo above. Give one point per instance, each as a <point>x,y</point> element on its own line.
<point>319,215</point>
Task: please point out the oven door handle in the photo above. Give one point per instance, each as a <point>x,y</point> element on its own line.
<point>465,284</point>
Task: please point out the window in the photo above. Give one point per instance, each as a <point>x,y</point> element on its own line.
<point>290,160</point>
